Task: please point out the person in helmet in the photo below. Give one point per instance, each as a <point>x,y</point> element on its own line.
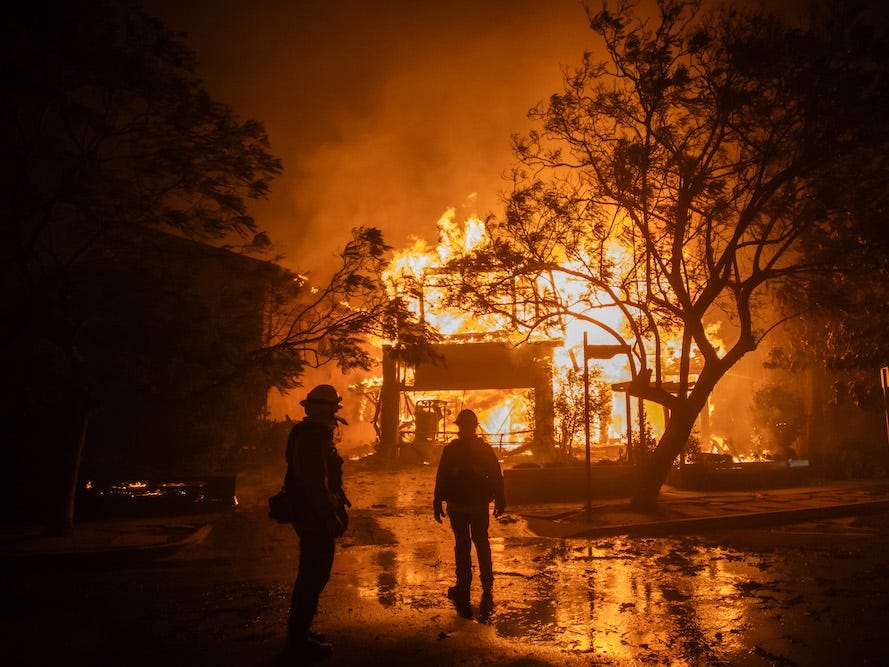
<point>468,479</point>
<point>314,481</point>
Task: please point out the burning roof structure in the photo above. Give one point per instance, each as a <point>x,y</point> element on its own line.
<point>521,383</point>
<point>483,362</point>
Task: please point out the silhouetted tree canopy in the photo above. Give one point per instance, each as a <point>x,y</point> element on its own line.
<point>105,123</point>
<point>314,324</point>
<point>838,317</point>
<point>105,133</point>
<point>124,198</point>
<point>684,178</point>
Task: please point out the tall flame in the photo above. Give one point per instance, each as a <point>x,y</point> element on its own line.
<point>415,274</point>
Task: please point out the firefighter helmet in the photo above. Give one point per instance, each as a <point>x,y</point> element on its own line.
<point>467,418</point>
<point>323,393</point>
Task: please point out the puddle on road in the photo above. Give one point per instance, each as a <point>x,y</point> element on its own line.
<point>683,601</point>
<point>624,601</point>
<point>629,602</point>
<point>620,601</point>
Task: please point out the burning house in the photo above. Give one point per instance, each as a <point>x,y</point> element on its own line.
<point>528,390</point>
<point>482,363</point>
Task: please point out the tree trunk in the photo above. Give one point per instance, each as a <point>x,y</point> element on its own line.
<point>654,469</point>
<point>72,434</point>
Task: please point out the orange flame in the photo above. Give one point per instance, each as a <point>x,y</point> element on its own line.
<point>415,274</point>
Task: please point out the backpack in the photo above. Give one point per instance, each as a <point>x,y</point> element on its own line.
<point>289,505</point>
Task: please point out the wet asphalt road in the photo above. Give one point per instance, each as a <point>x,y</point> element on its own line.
<point>810,594</point>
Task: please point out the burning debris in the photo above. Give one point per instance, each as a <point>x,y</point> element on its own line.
<point>157,497</point>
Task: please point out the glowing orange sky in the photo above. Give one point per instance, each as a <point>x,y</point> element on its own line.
<point>384,113</point>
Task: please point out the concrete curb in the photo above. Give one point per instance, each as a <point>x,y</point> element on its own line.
<point>107,555</point>
<point>732,521</point>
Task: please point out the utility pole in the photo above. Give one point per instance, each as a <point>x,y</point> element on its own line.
<point>593,352</point>
<point>586,429</point>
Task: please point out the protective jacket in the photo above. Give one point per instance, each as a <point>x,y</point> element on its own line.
<point>469,476</point>
<point>314,478</point>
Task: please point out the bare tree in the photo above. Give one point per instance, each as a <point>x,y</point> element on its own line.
<point>678,180</point>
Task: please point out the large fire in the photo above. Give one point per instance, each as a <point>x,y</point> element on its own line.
<point>416,275</point>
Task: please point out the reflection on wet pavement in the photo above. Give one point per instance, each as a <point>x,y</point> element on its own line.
<point>660,601</point>
<point>811,594</point>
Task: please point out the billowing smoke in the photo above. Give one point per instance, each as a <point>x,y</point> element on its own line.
<point>384,113</point>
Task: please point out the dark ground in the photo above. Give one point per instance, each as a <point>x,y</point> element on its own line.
<point>805,594</point>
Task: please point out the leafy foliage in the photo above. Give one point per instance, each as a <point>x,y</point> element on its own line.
<point>313,325</point>
<point>568,405</point>
<point>106,124</point>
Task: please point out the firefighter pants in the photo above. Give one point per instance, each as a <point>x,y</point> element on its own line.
<point>316,550</point>
<point>469,529</point>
